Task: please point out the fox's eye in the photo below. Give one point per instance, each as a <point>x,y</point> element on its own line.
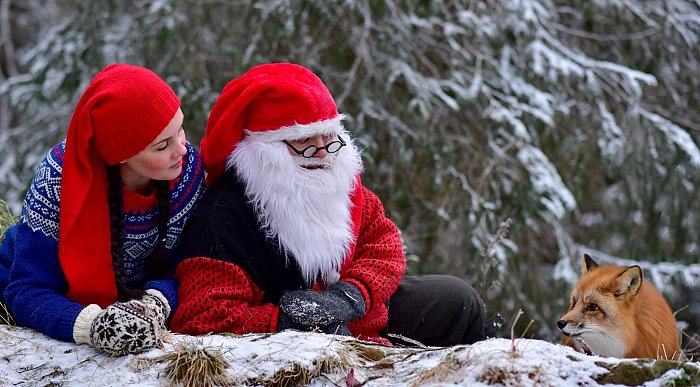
<point>592,307</point>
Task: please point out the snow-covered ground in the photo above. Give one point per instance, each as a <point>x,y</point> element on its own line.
<point>28,358</point>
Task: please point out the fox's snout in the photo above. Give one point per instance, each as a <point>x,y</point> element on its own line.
<point>565,327</point>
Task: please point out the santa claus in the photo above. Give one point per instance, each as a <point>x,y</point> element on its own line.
<point>287,236</point>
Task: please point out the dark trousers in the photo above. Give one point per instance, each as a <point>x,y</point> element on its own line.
<point>436,310</point>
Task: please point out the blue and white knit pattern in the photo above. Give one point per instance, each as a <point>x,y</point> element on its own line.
<point>41,205</point>
<point>41,208</point>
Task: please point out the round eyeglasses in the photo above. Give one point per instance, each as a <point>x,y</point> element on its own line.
<point>311,150</point>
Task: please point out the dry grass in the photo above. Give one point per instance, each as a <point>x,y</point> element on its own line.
<point>5,316</point>
<point>192,364</point>
<point>300,375</point>
<point>446,367</point>
<point>6,218</point>
<point>507,375</point>
<point>499,375</point>
<point>368,352</point>
<point>513,345</point>
<point>691,346</point>
<point>297,375</point>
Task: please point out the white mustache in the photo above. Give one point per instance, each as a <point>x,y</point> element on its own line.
<point>324,163</point>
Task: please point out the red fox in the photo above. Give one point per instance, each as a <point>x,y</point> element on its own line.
<point>617,314</point>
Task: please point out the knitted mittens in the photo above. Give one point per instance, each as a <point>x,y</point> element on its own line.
<point>158,305</point>
<point>124,327</point>
<point>329,310</point>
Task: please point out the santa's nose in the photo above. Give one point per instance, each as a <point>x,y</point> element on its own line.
<point>321,153</point>
<point>318,142</point>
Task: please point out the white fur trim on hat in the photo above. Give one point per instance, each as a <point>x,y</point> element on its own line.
<point>299,131</point>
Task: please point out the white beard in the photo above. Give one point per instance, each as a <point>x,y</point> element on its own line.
<point>307,210</point>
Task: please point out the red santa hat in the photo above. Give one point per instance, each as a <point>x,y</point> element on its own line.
<point>271,101</point>
<point>122,111</point>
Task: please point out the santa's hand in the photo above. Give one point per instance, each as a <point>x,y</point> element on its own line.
<point>337,329</point>
<point>121,328</point>
<point>341,303</point>
<point>284,323</point>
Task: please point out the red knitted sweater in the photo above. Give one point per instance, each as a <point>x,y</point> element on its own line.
<point>219,296</point>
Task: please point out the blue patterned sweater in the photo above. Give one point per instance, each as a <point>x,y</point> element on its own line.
<point>37,287</point>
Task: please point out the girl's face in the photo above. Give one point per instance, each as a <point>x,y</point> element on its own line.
<point>162,158</point>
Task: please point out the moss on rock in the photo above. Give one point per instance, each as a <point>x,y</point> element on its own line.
<point>637,372</point>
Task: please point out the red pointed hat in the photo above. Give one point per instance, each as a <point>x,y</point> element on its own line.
<point>122,111</point>
<point>283,100</point>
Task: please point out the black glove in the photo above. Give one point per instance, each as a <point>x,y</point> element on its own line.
<point>284,322</point>
<point>341,303</point>
<point>337,329</point>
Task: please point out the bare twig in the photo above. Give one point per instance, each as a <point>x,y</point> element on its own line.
<point>22,370</point>
<point>5,315</point>
<point>512,330</point>
<point>407,339</point>
<point>486,252</point>
<point>607,37</point>
<point>688,123</point>
<point>527,328</point>
<point>585,348</point>
<point>6,38</point>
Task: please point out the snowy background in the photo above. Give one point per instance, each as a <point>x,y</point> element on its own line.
<point>505,138</point>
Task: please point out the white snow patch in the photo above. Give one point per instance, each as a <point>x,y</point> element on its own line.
<point>31,358</point>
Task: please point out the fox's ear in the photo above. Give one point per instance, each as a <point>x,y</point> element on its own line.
<point>628,282</point>
<point>587,264</point>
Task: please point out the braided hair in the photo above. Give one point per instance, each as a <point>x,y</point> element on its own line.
<point>156,266</point>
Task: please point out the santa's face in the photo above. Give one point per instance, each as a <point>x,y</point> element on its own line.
<point>315,147</point>
<point>303,202</point>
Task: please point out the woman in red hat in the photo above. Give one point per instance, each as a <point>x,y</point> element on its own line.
<point>90,259</point>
